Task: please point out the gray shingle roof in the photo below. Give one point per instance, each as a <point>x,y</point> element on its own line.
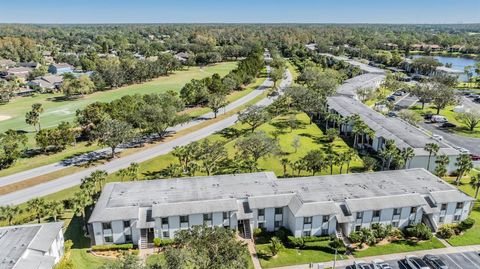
<point>16,240</point>
<point>404,134</point>
<point>304,196</point>
<point>450,196</point>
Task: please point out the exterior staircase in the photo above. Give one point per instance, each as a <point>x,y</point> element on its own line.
<point>247,231</point>
<point>143,239</point>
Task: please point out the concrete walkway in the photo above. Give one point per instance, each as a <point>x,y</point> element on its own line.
<point>396,256</point>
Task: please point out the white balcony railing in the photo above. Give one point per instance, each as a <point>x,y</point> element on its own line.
<point>261,218</point>
<point>184,225</point>
<point>278,217</point>
<point>107,232</point>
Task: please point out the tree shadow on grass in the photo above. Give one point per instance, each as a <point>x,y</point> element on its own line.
<point>232,133</point>
<point>75,233</point>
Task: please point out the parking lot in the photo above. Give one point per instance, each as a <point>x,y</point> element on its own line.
<point>465,260</point>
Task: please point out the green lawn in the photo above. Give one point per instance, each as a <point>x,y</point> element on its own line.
<point>81,259</point>
<point>57,111</point>
<point>160,259</point>
<point>450,115</point>
<point>398,247</point>
<point>314,252</point>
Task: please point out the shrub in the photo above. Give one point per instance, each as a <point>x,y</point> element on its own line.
<point>158,242</point>
<point>282,234</point>
<point>112,247</point>
<point>355,237</point>
<point>295,242</point>
<point>257,232</point>
<point>336,243</point>
<point>446,231</point>
<point>397,233</point>
<point>466,224</point>
<point>275,245</point>
<point>316,238</point>
<point>420,231</point>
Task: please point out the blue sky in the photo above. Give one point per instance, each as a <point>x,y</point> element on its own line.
<point>240,11</point>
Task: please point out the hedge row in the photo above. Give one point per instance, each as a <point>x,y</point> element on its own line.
<point>112,247</point>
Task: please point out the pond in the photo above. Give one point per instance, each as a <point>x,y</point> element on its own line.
<point>458,63</point>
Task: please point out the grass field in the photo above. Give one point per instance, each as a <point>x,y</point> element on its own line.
<point>58,111</point>
<point>399,247</point>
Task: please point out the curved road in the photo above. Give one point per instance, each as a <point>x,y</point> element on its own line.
<point>72,180</point>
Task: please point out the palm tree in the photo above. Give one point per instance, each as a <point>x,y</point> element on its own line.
<point>9,212</point>
<point>441,169</point>
<point>80,201</point>
<point>432,149</point>
<point>133,170</point>
<point>475,183</point>
<point>37,205</point>
<point>55,209</point>
<point>99,177</point>
<point>350,155</point>
<point>298,166</point>
<point>331,157</point>
<point>123,173</point>
<point>407,155</point>
<point>388,153</point>
<point>284,163</point>
<point>464,164</point>
<point>88,186</point>
<point>342,160</point>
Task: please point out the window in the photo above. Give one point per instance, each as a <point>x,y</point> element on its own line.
<point>207,217</point>
<point>278,224</point>
<point>444,207</point>
<point>128,238</point>
<point>278,211</point>
<point>108,239</point>
<point>413,210</point>
<point>324,231</point>
<point>261,225</point>
<point>164,221</point>
<point>325,218</point>
<point>441,219</point>
<point>126,224</point>
<point>307,233</point>
<point>166,234</point>
<point>149,215</point>
<point>376,213</point>
<point>359,215</point>
<point>395,224</point>
<point>460,205</point>
<point>261,212</point>
<point>107,225</point>
<point>225,216</point>
<point>397,211</point>
<point>357,228</point>
<point>411,221</point>
<point>307,220</point>
<point>456,218</point>
<point>183,219</point>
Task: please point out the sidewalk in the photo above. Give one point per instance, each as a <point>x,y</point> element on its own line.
<point>396,256</point>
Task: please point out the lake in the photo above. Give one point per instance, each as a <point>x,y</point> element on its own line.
<point>458,63</point>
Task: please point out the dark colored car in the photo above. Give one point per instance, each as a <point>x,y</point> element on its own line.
<point>448,125</point>
<point>477,100</point>
<point>416,263</point>
<point>391,98</point>
<point>428,116</point>
<point>434,262</point>
<point>474,157</point>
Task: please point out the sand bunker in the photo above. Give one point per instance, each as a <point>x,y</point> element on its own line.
<point>3,117</point>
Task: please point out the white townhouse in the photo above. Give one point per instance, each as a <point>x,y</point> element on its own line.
<point>390,128</point>
<point>38,246</point>
<point>137,212</point>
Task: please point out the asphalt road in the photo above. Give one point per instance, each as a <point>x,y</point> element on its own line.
<point>468,103</point>
<point>464,260</point>
<point>72,180</point>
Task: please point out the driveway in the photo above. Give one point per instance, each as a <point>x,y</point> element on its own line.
<point>470,143</point>
<point>464,260</point>
<point>72,180</point>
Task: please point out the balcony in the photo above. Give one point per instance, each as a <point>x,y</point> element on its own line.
<point>164,226</point>
<point>396,217</point>
<point>261,218</point>
<point>207,223</point>
<point>375,219</point>
<point>127,231</point>
<point>184,225</point>
<point>458,211</point>
<point>358,221</point>
<point>107,232</point>
<point>307,226</point>
<point>278,217</point>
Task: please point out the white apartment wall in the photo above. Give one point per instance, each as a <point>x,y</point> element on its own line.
<point>422,162</point>
<point>386,217</point>
<point>57,248</point>
<point>450,213</point>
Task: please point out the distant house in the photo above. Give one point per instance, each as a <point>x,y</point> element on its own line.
<point>19,72</point>
<point>38,246</point>
<point>390,46</point>
<point>6,63</point>
<point>30,64</point>
<point>182,56</point>
<point>49,82</point>
<point>425,47</point>
<point>456,48</point>
<point>60,68</point>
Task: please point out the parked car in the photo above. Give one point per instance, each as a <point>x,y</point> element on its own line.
<point>380,264</point>
<point>474,157</point>
<point>392,114</point>
<point>474,95</point>
<point>361,265</point>
<point>434,262</point>
<point>438,119</point>
<point>415,262</point>
<point>464,151</point>
<point>391,98</point>
<point>428,116</point>
<point>399,93</point>
<point>448,125</point>
<point>437,137</point>
<point>477,100</point>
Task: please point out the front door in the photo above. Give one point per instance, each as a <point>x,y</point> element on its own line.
<point>150,235</point>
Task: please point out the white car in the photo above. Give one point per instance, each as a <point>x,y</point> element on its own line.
<point>437,137</point>
<point>380,264</point>
<point>416,263</point>
<point>361,265</point>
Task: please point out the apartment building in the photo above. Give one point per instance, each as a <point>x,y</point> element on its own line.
<point>137,212</point>
<point>389,128</point>
<point>39,246</point>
